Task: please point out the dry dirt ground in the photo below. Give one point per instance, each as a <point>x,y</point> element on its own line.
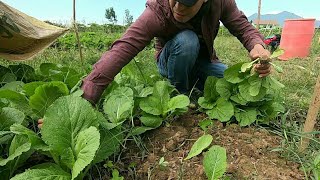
<point>249,153</point>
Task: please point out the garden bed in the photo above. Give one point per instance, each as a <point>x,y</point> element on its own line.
<point>249,152</point>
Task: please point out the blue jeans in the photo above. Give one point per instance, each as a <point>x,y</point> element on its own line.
<point>180,63</point>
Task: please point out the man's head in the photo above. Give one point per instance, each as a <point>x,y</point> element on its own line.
<point>184,10</point>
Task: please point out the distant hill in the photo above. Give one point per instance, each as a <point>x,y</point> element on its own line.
<point>280,17</point>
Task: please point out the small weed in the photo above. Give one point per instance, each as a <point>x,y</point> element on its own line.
<point>162,163</point>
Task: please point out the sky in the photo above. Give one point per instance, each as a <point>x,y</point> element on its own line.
<point>92,11</point>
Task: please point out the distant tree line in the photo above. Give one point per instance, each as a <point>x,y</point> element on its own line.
<point>111,16</point>
<point>110,27</point>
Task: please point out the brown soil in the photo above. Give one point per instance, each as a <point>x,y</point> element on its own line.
<point>248,152</point>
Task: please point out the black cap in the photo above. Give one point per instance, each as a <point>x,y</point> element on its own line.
<point>188,3</point>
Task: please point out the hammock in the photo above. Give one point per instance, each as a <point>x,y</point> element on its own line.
<point>22,36</point>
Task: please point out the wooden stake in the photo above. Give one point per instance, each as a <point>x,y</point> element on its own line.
<point>259,14</point>
<point>311,117</point>
<point>77,34</point>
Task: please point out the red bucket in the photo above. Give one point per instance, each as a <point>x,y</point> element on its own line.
<point>296,38</point>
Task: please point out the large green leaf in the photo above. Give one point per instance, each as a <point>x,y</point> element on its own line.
<point>179,111</point>
<point>19,145</point>
<point>205,104</point>
<point>272,109</point>
<point>109,126</point>
<point>7,78</point>
<point>202,143</point>
<point>246,66</point>
<point>57,72</point>
<point>10,168</point>
<point>104,123</point>
<point>245,93</point>
<point>14,86</point>
<point>210,92</point>
<point>138,88</point>
<point>145,92</point>
<point>275,84</point>
<point>36,142</point>
<point>223,111</point>
<point>48,68</point>
<point>278,107</point>
<point>238,99</point>
<point>157,103</point>
<point>152,105</point>
<point>151,120</point>
<point>86,146</point>
<point>215,162</point>
<point>45,95</point>
<point>64,120</point>
<point>110,142</point>
<point>70,76</point>
<point>255,84</point>
<point>119,104</point>
<point>49,171</point>
<point>68,158</point>
<point>10,116</point>
<point>23,72</point>
<point>246,117</point>
<point>18,101</point>
<point>30,88</point>
<point>161,91</point>
<point>6,138</point>
<point>6,75</point>
<point>19,162</point>
<point>177,102</point>
<point>3,103</point>
<point>12,96</point>
<point>224,88</point>
<point>233,74</point>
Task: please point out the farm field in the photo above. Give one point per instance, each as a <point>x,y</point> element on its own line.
<point>131,134</point>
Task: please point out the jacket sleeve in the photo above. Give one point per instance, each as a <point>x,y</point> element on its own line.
<point>238,25</point>
<point>134,40</point>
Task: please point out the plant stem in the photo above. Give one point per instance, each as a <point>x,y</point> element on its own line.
<point>256,60</point>
<point>193,88</point>
<point>144,78</point>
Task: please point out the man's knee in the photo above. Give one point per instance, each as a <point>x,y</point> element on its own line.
<point>216,69</point>
<point>220,68</point>
<point>187,44</point>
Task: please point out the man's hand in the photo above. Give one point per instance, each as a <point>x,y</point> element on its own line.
<point>263,68</point>
<point>40,122</point>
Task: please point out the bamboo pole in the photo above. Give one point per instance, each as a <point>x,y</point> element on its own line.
<point>311,116</point>
<point>259,14</point>
<point>77,34</point>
